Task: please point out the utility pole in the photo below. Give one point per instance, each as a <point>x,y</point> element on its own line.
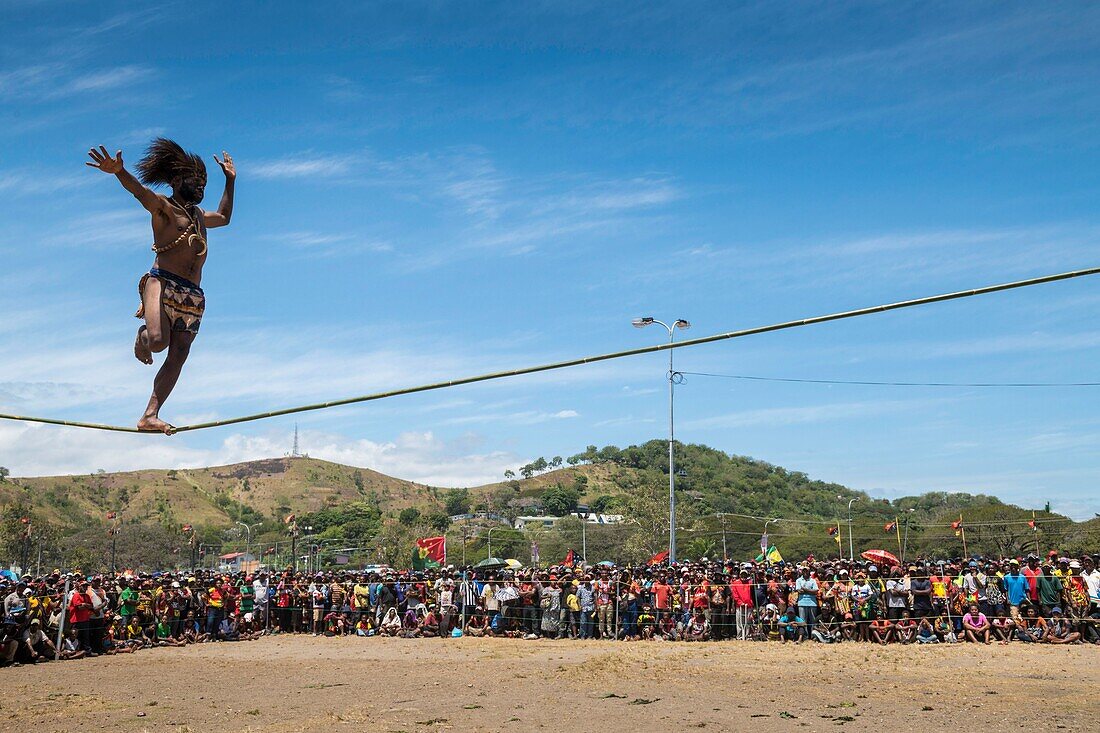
<point>725,554</point>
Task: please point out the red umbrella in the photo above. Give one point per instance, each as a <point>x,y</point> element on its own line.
<point>882,557</point>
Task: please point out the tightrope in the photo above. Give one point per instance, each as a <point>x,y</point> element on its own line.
<point>580,361</point>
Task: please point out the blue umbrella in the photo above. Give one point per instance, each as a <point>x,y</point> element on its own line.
<point>606,563</point>
<point>9,574</point>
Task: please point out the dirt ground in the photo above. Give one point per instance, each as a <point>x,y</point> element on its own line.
<point>290,683</point>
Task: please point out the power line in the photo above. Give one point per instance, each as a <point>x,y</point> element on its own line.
<point>587,359</point>
<point>892,384</point>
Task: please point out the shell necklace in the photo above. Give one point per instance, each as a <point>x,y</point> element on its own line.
<point>190,234</point>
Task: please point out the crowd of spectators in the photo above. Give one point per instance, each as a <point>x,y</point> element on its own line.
<point>1053,600</point>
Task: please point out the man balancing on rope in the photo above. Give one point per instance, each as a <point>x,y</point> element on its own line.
<point>172,303</point>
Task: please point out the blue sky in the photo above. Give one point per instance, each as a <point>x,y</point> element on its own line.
<point>432,190</point>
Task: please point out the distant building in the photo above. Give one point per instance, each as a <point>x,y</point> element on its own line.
<point>549,521</point>
<point>238,562</point>
<point>524,522</point>
<point>594,518</point>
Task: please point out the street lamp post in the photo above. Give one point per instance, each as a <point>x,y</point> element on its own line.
<point>672,377</point>
<point>248,537</point>
<point>722,518</point>
<point>851,547</point>
<point>490,541</point>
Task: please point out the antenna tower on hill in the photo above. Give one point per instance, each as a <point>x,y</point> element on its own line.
<point>295,453</point>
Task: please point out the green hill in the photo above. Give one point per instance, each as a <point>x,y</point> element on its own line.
<point>380,516</point>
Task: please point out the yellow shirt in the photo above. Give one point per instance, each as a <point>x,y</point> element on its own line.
<point>572,603</point>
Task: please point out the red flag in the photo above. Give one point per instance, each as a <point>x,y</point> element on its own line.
<point>659,558</point>
<point>890,526</point>
<point>832,531</point>
<point>186,528</point>
<point>433,549</point>
<point>1031,523</point>
<point>25,520</point>
<point>957,526</point>
<point>570,559</point>
<point>111,515</point>
<point>289,519</point>
<point>269,551</point>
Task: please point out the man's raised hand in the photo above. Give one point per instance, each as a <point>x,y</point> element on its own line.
<point>103,160</point>
<point>227,166</point>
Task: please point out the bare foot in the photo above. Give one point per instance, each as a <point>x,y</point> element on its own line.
<point>153,424</point>
<point>141,348</point>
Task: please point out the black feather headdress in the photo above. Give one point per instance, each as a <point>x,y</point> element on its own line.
<point>165,160</point>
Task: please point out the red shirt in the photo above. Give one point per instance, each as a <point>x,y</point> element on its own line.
<point>76,613</point>
<point>1033,582</point>
<point>742,592</point>
<point>661,592</point>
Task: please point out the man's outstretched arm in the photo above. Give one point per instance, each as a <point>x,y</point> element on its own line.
<point>221,217</point>
<point>104,162</point>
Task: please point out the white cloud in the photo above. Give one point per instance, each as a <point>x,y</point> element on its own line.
<point>102,80</point>
<point>781,416</point>
<point>304,165</point>
<point>327,245</point>
<point>32,450</point>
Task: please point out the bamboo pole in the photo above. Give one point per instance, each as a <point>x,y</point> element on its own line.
<point>582,360</point>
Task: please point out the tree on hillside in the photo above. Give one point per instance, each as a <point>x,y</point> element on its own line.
<point>509,474</point>
<point>139,546</point>
<point>559,500</point>
<point>527,470</point>
<point>555,462</point>
<point>539,465</point>
<point>439,521</point>
<point>20,539</point>
<point>457,501</point>
<point>409,516</point>
<point>4,473</point>
<point>603,504</point>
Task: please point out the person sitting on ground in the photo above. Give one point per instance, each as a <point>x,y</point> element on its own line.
<point>945,632</point>
<point>848,629</point>
<point>905,629</point>
<point>1003,628</point>
<point>70,646</point>
<point>769,621</point>
<point>476,625</point>
<point>1032,627</point>
<point>827,630</point>
<point>793,626</point>
<point>646,623</point>
<point>882,629</point>
<point>164,633</point>
<point>364,626</point>
<point>926,634</point>
<point>429,624</point>
<point>251,628</point>
<point>975,625</point>
<point>135,631</point>
<point>334,623</point>
<point>228,629</point>
<point>391,623</point>
<point>698,629</point>
<point>192,633</point>
<point>38,645</point>
<point>1060,630</point>
<point>410,624</point>
<point>666,628</point>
